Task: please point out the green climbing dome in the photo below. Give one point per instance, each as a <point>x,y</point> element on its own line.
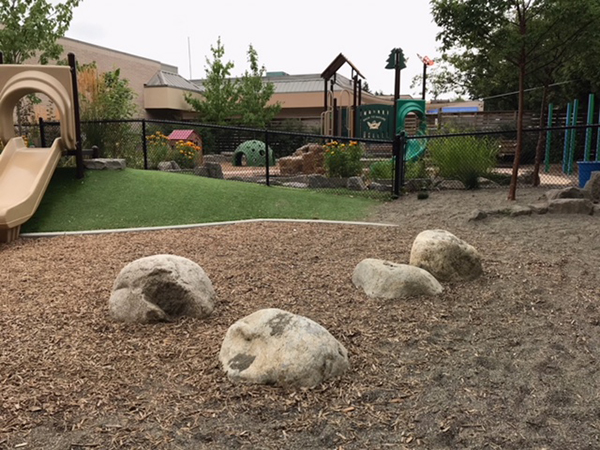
<point>252,153</point>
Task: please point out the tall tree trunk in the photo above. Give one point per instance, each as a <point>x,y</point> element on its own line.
<point>539,150</point>
<point>512,193</point>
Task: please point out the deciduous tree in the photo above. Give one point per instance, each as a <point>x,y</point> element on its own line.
<point>31,28</point>
<point>221,92</point>
<point>491,35</point>
<point>255,94</point>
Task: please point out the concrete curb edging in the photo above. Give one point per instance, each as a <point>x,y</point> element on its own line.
<point>201,225</point>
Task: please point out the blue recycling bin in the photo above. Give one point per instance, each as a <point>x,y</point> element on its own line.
<point>585,170</point>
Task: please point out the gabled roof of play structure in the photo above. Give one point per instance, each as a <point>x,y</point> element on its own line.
<point>336,64</point>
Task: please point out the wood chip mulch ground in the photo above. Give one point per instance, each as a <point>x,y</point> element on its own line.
<point>508,361</point>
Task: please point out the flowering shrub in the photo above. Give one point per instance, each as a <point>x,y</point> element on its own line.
<point>158,148</point>
<point>186,154</point>
<point>343,160</point>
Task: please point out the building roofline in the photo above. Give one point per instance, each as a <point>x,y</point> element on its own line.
<point>120,52</point>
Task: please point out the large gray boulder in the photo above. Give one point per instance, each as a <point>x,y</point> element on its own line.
<point>568,192</point>
<point>445,256</point>
<point>159,288</point>
<point>276,347</point>
<point>570,206</point>
<point>388,280</point>
<point>592,187</point>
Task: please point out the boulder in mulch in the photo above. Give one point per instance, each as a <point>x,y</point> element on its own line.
<point>388,280</point>
<point>539,208</point>
<point>276,347</point>
<point>592,187</point>
<point>445,256</point>
<point>569,192</point>
<point>519,210</point>
<point>160,288</point>
<point>477,214</point>
<point>570,206</point>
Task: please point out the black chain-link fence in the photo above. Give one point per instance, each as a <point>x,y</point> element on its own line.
<point>552,157</point>
<point>295,160</point>
<point>457,160</point>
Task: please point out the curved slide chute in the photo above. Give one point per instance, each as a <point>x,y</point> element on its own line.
<point>25,172</point>
<point>415,147</point>
<point>24,176</point>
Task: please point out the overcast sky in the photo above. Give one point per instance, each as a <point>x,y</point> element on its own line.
<point>295,37</point>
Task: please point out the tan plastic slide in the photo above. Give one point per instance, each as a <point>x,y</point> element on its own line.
<point>25,172</point>
<point>24,176</point>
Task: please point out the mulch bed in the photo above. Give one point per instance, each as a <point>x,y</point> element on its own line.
<point>506,361</point>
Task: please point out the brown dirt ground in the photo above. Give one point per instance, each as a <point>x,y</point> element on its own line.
<point>509,361</point>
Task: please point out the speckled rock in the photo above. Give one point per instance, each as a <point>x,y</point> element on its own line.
<point>445,256</point>
<point>159,288</point>
<point>385,279</point>
<point>276,347</point>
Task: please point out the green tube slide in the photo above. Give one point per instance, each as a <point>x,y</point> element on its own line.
<point>415,147</point>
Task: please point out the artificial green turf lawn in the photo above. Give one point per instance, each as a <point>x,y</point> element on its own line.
<point>138,198</point>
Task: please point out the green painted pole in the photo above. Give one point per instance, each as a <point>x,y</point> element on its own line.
<point>588,131</point>
<point>565,163</point>
<point>573,135</point>
<point>549,138</point>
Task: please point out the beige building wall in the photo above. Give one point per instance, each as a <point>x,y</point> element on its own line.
<point>136,69</point>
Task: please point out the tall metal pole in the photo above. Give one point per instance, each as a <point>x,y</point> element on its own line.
<point>396,93</point>
<point>424,80</point>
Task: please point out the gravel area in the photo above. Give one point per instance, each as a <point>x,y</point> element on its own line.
<point>508,361</point>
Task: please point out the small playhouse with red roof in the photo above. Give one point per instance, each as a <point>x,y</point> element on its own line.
<point>186,136</point>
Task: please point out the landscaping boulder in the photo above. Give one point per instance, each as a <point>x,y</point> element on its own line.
<point>445,256</point>
<point>104,164</point>
<point>356,184</point>
<point>276,347</point>
<point>519,210</point>
<point>313,158</point>
<point>569,192</point>
<point>592,187</point>
<point>322,182</point>
<point>214,170</point>
<point>570,206</point>
<point>539,208</point>
<point>290,165</point>
<point>477,214</point>
<point>159,288</point>
<point>168,166</point>
<point>388,280</point>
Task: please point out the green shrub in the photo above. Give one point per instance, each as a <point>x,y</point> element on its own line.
<point>343,160</point>
<point>464,158</point>
<point>384,170</point>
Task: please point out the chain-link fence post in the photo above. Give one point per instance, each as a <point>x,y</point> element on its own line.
<point>267,156</point>
<point>144,144</point>
<point>399,149</point>
<point>42,133</point>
